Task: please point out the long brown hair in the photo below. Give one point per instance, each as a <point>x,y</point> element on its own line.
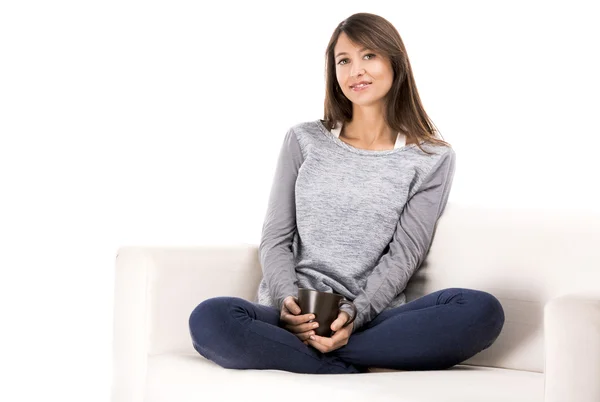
<point>404,111</point>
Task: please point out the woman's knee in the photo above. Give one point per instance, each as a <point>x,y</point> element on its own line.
<point>488,312</point>
<point>209,316</point>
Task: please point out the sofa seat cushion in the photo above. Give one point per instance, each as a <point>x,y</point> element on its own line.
<point>190,377</point>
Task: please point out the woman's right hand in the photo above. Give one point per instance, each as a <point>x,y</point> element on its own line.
<point>294,322</point>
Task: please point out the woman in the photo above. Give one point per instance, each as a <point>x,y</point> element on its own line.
<point>353,210</point>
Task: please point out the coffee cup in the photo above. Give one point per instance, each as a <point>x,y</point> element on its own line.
<point>326,308</point>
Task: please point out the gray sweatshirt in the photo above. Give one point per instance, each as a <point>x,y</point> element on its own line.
<point>350,221</point>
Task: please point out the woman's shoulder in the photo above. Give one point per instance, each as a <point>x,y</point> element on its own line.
<point>436,150</point>
<point>308,132</point>
<point>308,125</point>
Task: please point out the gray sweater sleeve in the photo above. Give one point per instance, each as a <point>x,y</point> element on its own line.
<point>279,228</point>
<point>410,243</point>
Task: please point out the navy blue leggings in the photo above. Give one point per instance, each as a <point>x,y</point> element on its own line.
<point>434,332</point>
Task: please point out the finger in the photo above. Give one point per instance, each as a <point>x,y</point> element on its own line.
<point>296,329</point>
<point>337,324</point>
<point>340,337</point>
<point>292,307</point>
<point>322,340</point>
<point>318,346</point>
<point>297,319</point>
<point>305,335</point>
<point>340,321</point>
<point>304,327</point>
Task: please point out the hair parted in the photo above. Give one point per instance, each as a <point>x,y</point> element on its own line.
<point>403,112</point>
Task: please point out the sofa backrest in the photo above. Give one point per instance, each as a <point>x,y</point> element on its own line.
<point>524,257</point>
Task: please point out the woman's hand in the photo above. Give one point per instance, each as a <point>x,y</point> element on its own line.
<point>340,338</point>
<point>295,323</point>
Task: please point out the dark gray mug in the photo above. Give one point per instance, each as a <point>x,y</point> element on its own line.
<point>325,306</point>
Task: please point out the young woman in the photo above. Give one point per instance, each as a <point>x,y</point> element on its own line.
<point>353,210</point>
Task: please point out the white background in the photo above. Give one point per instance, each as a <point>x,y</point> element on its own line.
<point>159,123</point>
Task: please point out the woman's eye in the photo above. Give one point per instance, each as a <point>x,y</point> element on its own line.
<point>341,62</point>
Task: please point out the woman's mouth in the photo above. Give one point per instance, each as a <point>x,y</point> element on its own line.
<point>360,87</point>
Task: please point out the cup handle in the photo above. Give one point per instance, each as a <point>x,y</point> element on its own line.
<point>348,302</point>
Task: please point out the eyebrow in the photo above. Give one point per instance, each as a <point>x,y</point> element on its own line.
<point>341,53</point>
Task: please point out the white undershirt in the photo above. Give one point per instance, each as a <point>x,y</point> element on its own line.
<point>400,139</point>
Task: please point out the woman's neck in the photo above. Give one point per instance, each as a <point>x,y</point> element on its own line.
<point>368,127</point>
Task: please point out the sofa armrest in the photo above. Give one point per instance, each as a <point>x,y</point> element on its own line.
<point>156,289</point>
<point>572,348</point>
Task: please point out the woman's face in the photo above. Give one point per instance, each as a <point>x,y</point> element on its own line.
<point>354,64</point>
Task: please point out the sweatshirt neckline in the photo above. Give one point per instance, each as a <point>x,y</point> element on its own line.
<point>360,151</point>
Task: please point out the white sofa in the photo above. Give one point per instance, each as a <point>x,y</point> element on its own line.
<point>542,265</point>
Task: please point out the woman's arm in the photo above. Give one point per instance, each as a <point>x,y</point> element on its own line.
<point>410,243</point>
<point>279,226</point>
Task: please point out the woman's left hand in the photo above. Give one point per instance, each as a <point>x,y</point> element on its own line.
<point>340,338</point>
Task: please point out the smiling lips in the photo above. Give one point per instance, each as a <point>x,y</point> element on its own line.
<point>359,84</point>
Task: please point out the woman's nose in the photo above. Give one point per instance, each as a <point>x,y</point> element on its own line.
<point>357,70</point>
